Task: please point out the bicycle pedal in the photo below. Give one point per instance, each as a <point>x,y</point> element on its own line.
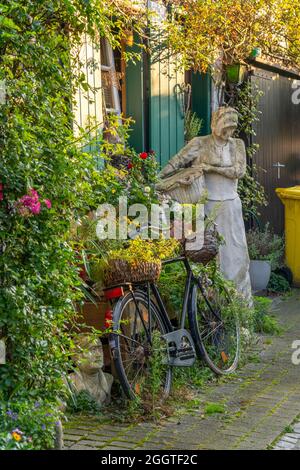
<point>181,351</point>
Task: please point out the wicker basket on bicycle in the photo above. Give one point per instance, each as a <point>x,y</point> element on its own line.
<point>120,271</point>
<point>209,250</point>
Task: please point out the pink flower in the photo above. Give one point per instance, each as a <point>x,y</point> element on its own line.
<point>30,203</point>
<point>36,208</point>
<point>34,194</point>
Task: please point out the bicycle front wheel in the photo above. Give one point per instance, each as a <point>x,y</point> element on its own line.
<point>138,350</point>
<point>214,327</point>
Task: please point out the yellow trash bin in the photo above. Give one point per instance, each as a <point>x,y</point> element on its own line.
<point>291,200</point>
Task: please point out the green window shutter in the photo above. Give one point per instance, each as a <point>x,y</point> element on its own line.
<point>166,106</point>
<point>135,99</point>
<point>201,99</point>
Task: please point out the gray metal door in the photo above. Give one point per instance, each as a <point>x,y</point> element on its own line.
<point>278,135</point>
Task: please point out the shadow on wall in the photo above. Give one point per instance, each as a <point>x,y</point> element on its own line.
<point>293,167</point>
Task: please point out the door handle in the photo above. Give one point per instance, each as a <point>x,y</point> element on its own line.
<point>278,165</point>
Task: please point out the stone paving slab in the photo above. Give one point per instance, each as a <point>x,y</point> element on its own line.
<point>261,401</point>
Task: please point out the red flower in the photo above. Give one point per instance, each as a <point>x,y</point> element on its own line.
<point>143,155</point>
<point>129,166</point>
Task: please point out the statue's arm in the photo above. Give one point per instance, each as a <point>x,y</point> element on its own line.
<point>228,171</point>
<point>183,159</point>
<point>241,158</point>
<point>235,171</point>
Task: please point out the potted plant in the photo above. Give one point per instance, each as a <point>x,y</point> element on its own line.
<point>266,251</point>
<point>235,73</point>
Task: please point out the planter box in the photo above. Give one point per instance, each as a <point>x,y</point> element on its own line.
<point>260,273</point>
<point>93,315</point>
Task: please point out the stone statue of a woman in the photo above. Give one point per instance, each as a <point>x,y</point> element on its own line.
<point>223,161</point>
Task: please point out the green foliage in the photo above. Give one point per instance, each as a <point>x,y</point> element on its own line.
<point>149,401</point>
<point>202,31</point>
<point>83,402</point>
<point>192,125</point>
<point>247,104</point>
<point>251,192</point>
<point>157,370</point>
<point>142,178</point>
<point>263,321</point>
<point>27,425</point>
<point>194,377</point>
<point>171,286</point>
<point>135,173</point>
<point>139,250</point>
<point>266,246</point>
<point>278,284</point>
<point>214,408</point>
<point>172,283</point>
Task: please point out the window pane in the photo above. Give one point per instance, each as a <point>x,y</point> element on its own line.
<point>104,55</point>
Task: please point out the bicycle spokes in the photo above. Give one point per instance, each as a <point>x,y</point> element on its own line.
<point>138,328</point>
<point>216,328</point>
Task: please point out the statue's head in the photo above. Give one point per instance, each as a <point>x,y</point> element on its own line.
<point>88,355</point>
<point>224,122</point>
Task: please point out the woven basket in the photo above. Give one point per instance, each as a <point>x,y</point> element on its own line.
<point>210,248</point>
<point>120,272</point>
<point>186,186</point>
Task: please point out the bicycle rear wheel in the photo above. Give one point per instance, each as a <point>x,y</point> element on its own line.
<point>136,342</point>
<point>214,327</point>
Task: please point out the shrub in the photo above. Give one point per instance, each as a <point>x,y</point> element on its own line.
<point>192,125</point>
<point>266,246</point>
<point>278,284</point>
<point>263,321</point>
<point>83,402</point>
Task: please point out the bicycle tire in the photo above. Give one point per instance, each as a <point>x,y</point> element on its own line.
<point>213,357</point>
<point>116,338</point>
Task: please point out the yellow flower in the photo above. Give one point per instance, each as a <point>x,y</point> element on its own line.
<point>17,437</point>
<point>113,191</point>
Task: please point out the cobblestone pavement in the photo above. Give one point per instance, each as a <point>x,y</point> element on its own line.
<point>290,440</point>
<point>261,402</point>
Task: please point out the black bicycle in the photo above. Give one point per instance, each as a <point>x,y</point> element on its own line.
<point>141,330</point>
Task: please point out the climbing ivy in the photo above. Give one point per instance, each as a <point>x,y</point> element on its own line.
<point>252,193</point>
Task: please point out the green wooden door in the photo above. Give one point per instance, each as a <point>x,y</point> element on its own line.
<point>201,99</point>
<point>166,106</point>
